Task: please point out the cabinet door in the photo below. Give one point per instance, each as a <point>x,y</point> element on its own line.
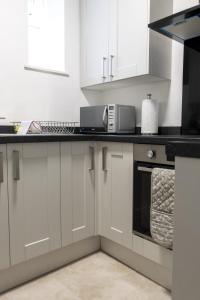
<point>115,192</point>
<point>77,191</point>
<point>128,49</point>
<point>4,229</point>
<point>94,43</point>
<point>34,195</point>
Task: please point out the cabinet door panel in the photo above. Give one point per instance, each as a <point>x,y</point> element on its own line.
<point>77,192</point>
<point>116,193</point>
<point>129,38</point>
<point>4,229</point>
<point>34,200</point>
<point>95,35</point>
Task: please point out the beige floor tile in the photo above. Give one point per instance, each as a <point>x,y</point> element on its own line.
<point>97,277</point>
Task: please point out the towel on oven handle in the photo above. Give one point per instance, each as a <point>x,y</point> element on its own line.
<point>162,206</point>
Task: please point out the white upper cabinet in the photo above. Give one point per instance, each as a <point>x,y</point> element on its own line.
<point>34,199</point>
<point>95,39</point>
<point>4,229</point>
<point>128,48</point>
<point>116,42</point>
<point>77,191</point>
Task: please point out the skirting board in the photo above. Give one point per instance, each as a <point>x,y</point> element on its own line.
<point>36,267</point>
<point>39,266</point>
<point>154,271</point>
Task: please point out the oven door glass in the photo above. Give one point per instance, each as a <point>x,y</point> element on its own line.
<point>142,197</point>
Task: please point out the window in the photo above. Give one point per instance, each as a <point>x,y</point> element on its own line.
<point>46,35</point>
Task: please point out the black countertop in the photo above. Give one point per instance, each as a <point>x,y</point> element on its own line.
<point>183,148</point>
<point>137,139</point>
<point>176,145</point>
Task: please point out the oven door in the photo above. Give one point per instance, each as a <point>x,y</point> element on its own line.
<point>142,197</point>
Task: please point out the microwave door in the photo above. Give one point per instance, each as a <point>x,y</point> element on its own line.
<point>93,118</point>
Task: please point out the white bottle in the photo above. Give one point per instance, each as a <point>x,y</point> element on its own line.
<point>149,120</point>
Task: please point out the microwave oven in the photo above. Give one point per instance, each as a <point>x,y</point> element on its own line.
<point>111,118</point>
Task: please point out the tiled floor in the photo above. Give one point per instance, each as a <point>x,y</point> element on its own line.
<point>97,277</point>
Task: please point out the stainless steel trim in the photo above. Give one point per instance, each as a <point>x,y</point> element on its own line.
<point>144,236</point>
<point>1,167</point>
<point>92,152</point>
<point>111,66</point>
<point>145,169</point>
<point>104,158</point>
<point>104,61</point>
<point>104,118</point>
<point>16,168</point>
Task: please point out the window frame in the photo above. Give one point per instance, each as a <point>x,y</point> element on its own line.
<point>66,73</point>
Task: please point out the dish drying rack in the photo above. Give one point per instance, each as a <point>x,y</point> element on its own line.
<point>54,127</point>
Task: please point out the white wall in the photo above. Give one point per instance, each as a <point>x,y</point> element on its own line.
<point>168,94</point>
<point>31,95</point>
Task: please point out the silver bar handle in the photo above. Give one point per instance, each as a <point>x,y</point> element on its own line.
<point>104,69</point>
<point>16,169</point>
<point>145,169</point>
<point>104,158</point>
<point>1,167</point>
<point>92,155</point>
<point>111,66</point>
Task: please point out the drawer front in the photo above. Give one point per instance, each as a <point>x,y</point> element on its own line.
<point>151,153</point>
<point>153,252</point>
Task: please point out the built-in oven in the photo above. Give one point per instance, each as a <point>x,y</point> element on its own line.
<point>142,197</point>
<point>142,189</point>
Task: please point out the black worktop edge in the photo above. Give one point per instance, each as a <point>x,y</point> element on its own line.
<point>183,148</point>
<point>176,145</point>
<point>139,139</point>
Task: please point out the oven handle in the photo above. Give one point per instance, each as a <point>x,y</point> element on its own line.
<point>145,169</point>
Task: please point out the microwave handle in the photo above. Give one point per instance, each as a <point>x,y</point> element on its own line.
<point>105,116</point>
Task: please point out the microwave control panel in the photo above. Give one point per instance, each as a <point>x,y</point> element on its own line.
<point>111,118</point>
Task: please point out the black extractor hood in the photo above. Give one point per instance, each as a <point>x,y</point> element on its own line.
<point>181,26</point>
<point>185,28</point>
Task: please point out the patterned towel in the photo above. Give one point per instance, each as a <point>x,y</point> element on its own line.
<point>162,206</point>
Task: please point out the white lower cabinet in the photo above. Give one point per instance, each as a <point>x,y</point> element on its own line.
<point>77,191</point>
<point>53,194</point>
<point>34,199</point>
<point>115,192</point>
<point>153,252</point>
<point>4,227</point>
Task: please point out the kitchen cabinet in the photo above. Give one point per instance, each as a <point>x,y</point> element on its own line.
<point>77,191</point>
<point>128,51</point>
<point>34,199</point>
<point>116,43</point>
<point>115,192</point>
<point>94,37</point>
<point>4,229</point>
<point>186,235</point>
<point>153,252</point>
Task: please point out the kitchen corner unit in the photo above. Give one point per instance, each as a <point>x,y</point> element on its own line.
<point>64,196</point>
